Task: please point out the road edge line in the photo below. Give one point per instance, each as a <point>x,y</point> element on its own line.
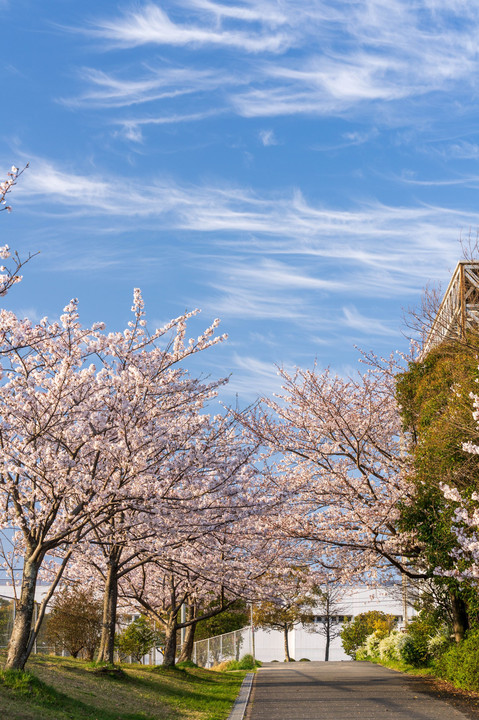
<point>241,702</point>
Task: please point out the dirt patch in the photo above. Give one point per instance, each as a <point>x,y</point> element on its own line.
<point>465,701</point>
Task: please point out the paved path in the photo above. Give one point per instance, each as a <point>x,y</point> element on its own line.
<point>341,691</point>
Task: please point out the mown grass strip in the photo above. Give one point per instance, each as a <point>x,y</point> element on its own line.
<point>66,689</point>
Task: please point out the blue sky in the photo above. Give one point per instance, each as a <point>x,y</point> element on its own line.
<point>298,168</point>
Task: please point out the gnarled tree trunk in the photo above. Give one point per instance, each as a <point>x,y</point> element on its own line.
<point>188,644</point>
<point>169,654</point>
<point>110,603</point>
<point>460,619</point>
<point>18,647</point>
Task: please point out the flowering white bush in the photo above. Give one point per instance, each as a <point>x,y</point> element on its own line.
<point>371,644</point>
<point>361,653</point>
<point>389,645</point>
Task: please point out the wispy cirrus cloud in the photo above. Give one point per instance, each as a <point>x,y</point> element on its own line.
<point>272,274</point>
<point>369,326</point>
<point>150,24</point>
<point>330,58</point>
<point>277,243</point>
<point>113,90</point>
<point>109,90</point>
<point>266,288</point>
<point>132,127</point>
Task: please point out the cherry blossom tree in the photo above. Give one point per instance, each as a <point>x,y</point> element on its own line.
<point>45,450</point>
<point>292,605</point>
<point>73,451</point>
<point>9,275</point>
<point>339,449</point>
<point>208,576</point>
<point>188,528</point>
<point>195,480</point>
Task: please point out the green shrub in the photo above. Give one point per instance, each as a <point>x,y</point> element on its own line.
<point>354,633</point>
<point>411,653</point>
<point>415,649</point>
<point>439,643</point>
<point>305,660</point>
<point>460,664</point>
<point>232,665</point>
<point>137,639</point>
<point>247,662</point>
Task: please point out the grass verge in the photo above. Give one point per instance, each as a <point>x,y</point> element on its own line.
<point>55,688</point>
<point>403,667</point>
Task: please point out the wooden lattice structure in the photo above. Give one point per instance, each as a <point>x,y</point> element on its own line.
<point>459,309</point>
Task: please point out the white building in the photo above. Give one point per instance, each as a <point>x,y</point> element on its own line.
<point>311,645</point>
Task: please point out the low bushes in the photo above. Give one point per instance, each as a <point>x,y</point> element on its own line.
<point>415,647</point>
<point>247,662</point>
<point>456,662</point>
<point>460,663</point>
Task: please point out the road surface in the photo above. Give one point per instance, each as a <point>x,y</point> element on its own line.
<point>342,691</point>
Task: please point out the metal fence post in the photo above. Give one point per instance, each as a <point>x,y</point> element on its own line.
<point>35,615</point>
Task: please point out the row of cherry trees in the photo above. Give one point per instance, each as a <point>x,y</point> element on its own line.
<point>114,472</point>
<point>111,470</point>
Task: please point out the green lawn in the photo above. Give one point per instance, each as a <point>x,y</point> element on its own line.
<point>57,688</point>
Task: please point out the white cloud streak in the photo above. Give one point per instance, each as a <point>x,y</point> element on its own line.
<point>331,57</point>
<point>152,25</point>
<point>380,248</point>
<point>365,325</point>
<point>162,83</point>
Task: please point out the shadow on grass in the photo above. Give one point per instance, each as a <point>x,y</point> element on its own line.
<point>199,689</point>
<point>36,693</point>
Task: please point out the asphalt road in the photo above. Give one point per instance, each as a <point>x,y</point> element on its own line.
<point>341,691</point>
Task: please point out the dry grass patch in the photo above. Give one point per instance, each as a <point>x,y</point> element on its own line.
<point>63,688</point>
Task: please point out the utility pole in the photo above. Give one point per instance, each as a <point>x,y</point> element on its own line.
<point>252,634</point>
<point>404,599</point>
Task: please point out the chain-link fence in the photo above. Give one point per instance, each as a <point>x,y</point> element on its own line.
<point>7,616</point>
<point>230,646</point>
<point>206,653</point>
<point>45,645</point>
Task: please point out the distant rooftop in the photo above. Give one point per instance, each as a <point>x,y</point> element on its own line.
<point>459,309</point>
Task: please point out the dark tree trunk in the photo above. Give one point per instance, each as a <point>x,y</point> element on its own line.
<point>460,620</point>
<point>169,654</point>
<point>287,656</point>
<point>188,645</point>
<point>18,647</point>
<point>327,625</point>
<point>110,602</point>
<point>328,640</point>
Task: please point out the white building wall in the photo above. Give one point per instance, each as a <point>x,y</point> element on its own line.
<point>311,645</point>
